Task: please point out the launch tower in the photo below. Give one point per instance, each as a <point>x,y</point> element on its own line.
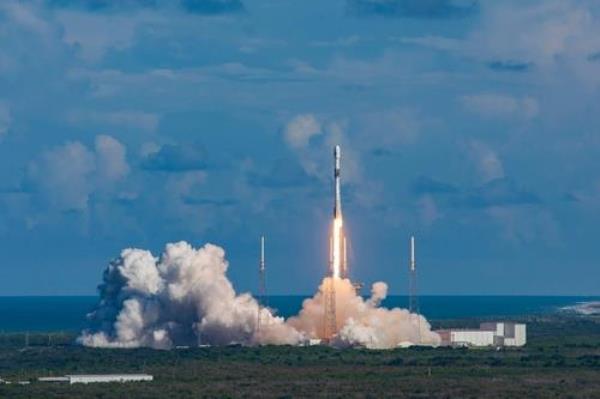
<point>262,289</point>
<point>413,300</point>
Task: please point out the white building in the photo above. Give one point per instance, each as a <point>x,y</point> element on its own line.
<point>91,378</point>
<point>488,334</point>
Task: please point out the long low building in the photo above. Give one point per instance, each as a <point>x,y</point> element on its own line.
<point>488,334</point>
<point>92,378</point>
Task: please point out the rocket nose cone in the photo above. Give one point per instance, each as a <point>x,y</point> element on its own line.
<point>337,151</point>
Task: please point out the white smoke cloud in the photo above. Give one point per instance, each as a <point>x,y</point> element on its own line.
<point>182,298</point>
<point>185,298</point>
<point>363,323</point>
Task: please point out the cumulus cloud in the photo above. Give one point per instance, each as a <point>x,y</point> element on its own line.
<point>312,141</point>
<point>428,210</point>
<point>185,298</point>
<point>64,175</point>
<point>389,128</point>
<point>492,105</point>
<point>554,36</point>
<point>144,121</point>
<point>111,159</point>
<point>486,161</point>
<point>5,119</point>
<point>176,158</point>
<point>67,175</point>
<point>301,129</point>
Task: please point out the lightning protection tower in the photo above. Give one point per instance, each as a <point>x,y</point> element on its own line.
<point>413,300</point>
<point>262,289</point>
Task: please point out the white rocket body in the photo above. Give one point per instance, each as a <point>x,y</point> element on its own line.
<point>338,255</point>
<point>337,206</point>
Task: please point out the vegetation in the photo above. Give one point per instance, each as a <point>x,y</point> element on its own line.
<point>561,360</point>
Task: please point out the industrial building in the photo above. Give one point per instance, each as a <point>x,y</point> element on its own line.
<point>489,334</point>
<point>91,378</point>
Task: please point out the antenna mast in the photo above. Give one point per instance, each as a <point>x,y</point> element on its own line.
<point>413,300</point>
<point>262,289</point>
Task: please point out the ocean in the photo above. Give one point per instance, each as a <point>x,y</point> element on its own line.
<point>68,313</point>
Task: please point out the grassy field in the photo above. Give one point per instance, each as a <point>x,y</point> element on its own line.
<point>561,360</point>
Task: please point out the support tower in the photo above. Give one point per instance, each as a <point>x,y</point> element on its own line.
<point>413,300</point>
<point>262,289</point>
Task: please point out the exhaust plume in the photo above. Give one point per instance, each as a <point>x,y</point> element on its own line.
<point>185,298</point>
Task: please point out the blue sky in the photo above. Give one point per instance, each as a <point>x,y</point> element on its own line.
<point>472,124</point>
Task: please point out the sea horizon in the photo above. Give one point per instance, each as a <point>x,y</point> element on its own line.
<point>68,312</point>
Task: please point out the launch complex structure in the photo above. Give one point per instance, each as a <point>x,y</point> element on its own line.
<point>338,258</point>
<point>262,286</point>
<point>338,262</point>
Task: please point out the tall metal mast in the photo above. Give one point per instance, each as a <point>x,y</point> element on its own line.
<point>413,300</point>
<point>262,288</point>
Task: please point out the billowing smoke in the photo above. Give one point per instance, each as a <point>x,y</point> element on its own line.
<point>364,323</point>
<point>185,298</point>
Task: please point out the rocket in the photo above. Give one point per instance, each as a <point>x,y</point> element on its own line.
<point>338,255</point>
<point>337,166</point>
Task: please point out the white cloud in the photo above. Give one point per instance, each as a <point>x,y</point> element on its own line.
<point>5,119</point>
<point>555,36</point>
<point>25,16</point>
<point>428,210</point>
<point>540,31</point>
<point>486,161</point>
<point>313,154</point>
<point>492,105</point>
<point>94,34</point>
<point>111,159</point>
<point>434,42</point>
<point>389,128</point>
<point>347,41</point>
<point>144,121</point>
<point>301,129</point>
<point>66,176</point>
<point>522,225</point>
